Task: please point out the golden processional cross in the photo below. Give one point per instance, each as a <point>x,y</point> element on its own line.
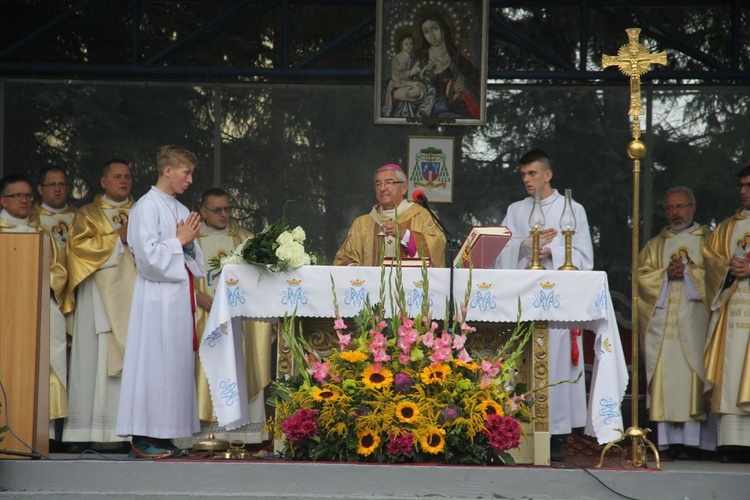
<point>634,60</point>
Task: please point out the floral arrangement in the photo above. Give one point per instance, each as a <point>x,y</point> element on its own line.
<point>276,248</point>
<point>401,390</point>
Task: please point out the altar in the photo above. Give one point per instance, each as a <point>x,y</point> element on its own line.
<point>557,299</point>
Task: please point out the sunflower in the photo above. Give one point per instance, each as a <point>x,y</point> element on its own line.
<point>432,440</point>
<point>353,356</point>
<point>469,366</point>
<point>407,412</point>
<point>381,379</point>
<point>325,394</point>
<point>435,374</point>
<point>368,442</point>
<point>489,407</point>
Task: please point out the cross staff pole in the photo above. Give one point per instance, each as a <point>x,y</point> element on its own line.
<point>634,60</point>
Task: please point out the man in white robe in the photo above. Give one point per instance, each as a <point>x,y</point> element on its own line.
<point>726,257</point>
<point>16,196</point>
<point>157,398</point>
<point>101,279</point>
<point>674,319</point>
<point>567,402</point>
<point>218,238</point>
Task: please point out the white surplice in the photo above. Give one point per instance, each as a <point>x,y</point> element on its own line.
<point>567,402</point>
<point>158,397</point>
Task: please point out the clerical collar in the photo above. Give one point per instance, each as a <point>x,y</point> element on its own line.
<point>402,207</point>
<point>692,227</point>
<point>13,220</point>
<point>212,231</point>
<point>52,209</point>
<point>114,203</point>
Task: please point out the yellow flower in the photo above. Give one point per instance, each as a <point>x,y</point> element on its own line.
<point>407,412</point>
<point>368,442</point>
<point>432,440</point>
<point>469,366</point>
<point>490,407</point>
<point>435,374</point>
<point>353,356</point>
<point>325,394</point>
<point>377,379</point>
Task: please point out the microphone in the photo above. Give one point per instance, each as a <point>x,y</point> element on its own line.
<point>420,197</point>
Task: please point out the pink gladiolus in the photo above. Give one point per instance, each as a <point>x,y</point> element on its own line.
<point>339,324</point>
<point>319,371</point>
<point>490,368</point>
<point>441,355</point>
<point>404,358</point>
<point>459,341</point>
<point>344,340</point>
<point>428,339</point>
<point>464,356</point>
<point>433,327</point>
<point>467,328</point>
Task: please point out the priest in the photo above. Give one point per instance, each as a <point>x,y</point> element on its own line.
<point>727,358</point>
<point>218,238</point>
<point>674,319</point>
<point>16,197</point>
<point>54,210</point>
<point>374,236</point>
<point>102,277</point>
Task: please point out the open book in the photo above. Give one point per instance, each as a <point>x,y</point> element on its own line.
<point>481,247</point>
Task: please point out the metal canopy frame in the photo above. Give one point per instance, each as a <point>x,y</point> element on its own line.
<point>14,61</point>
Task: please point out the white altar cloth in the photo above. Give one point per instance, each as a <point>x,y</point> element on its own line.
<point>565,299</point>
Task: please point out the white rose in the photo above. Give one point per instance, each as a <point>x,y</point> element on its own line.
<point>285,252</point>
<point>285,238</point>
<point>299,260</point>
<point>298,234</point>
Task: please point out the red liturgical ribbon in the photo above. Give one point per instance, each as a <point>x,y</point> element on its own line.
<point>574,354</point>
<point>192,308</point>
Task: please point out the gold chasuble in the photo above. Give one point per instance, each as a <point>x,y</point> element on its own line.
<point>57,224</point>
<point>673,327</point>
<point>727,356</point>
<point>362,244</point>
<point>58,374</point>
<point>92,247</point>
<point>218,243</point>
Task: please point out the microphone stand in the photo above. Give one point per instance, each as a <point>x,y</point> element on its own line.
<point>452,247</point>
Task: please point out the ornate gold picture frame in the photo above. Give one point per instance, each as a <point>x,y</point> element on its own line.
<point>431,61</point>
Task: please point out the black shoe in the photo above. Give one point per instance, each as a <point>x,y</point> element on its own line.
<point>78,448</point>
<point>559,447</point>
<point>734,454</point>
<point>690,453</point>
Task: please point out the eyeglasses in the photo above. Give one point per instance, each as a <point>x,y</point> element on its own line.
<point>58,185</point>
<point>19,196</point>
<point>745,185</point>
<point>389,183</point>
<point>672,208</point>
<point>220,210</point>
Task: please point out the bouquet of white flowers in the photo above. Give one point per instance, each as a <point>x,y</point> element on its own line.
<point>276,248</point>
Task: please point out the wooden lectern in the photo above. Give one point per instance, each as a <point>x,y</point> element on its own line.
<point>24,340</point>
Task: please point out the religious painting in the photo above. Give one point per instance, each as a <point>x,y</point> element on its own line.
<point>430,161</point>
<point>431,61</point>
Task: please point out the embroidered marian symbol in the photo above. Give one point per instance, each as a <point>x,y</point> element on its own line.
<point>609,410</point>
<point>601,298</point>
<point>483,298</point>
<point>235,295</point>
<point>213,338</point>
<point>294,295</point>
<point>357,294</point>
<point>416,296</point>
<point>546,297</point>
<point>229,392</point>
